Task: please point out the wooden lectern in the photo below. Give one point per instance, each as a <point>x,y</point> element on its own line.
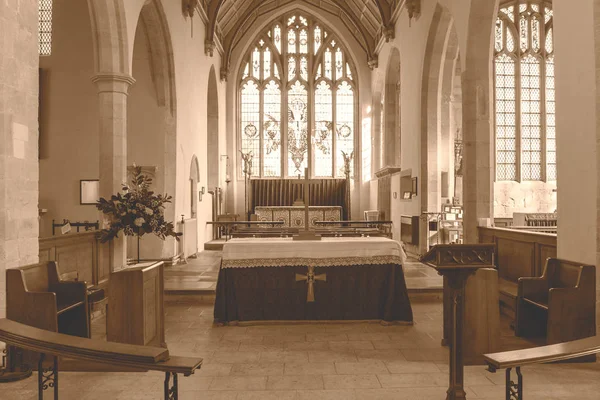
<point>456,263</point>
<point>135,305</point>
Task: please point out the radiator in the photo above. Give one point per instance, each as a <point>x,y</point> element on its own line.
<point>190,237</point>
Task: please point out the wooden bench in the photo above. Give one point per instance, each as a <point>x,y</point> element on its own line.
<point>36,296</point>
<point>144,358</point>
<point>560,305</point>
<point>538,355</point>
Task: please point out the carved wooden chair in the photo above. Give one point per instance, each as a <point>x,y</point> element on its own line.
<point>560,305</point>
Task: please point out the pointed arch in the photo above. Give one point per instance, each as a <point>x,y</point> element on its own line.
<point>297,87</point>
<point>152,134</point>
<point>109,27</point>
<point>154,22</point>
<point>441,29</point>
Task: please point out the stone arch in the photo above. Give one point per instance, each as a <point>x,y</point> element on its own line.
<point>449,96</point>
<point>478,136</point>
<point>433,112</point>
<point>391,135</point>
<point>194,179</point>
<point>151,122</point>
<point>110,40</point>
<point>212,130</point>
<point>160,49</point>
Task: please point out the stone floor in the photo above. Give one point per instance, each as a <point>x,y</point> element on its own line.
<point>199,275</point>
<point>342,361</point>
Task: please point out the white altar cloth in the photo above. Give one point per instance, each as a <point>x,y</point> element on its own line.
<point>328,252</point>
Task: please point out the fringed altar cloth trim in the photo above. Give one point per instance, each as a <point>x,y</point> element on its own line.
<point>313,262</point>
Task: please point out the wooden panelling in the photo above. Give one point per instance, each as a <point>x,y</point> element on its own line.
<point>519,254</point>
<point>77,256</point>
<point>517,257</point>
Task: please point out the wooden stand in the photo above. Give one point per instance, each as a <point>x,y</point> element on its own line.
<point>456,263</point>
<point>135,305</point>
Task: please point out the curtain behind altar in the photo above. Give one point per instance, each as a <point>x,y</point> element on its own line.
<point>283,192</point>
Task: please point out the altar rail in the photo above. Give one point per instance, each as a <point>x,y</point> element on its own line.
<point>537,355</point>
<point>80,256</point>
<point>519,253</point>
<point>144,358</point>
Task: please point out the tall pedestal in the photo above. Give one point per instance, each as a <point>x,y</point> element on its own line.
<point>456,263</point>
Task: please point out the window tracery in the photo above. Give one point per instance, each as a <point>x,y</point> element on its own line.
<point>297,100</point>
<point>45,27</point>
<point>524,92</point>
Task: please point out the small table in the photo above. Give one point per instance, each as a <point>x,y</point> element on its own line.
<point>331,279</point>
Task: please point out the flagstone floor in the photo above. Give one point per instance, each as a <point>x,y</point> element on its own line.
<point>199,275</point>
<point>341,361</point>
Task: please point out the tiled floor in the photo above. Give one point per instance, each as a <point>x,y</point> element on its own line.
<point>342,361</point>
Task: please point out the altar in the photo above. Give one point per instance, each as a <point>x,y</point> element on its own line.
<point>331,279</point>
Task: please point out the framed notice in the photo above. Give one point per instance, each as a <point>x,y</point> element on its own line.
<point>89,191</point>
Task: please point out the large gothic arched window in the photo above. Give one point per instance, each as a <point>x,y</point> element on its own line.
<point>524,92</point>
<point>297,101</point>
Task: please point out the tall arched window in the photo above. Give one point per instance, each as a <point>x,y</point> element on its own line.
<point>524,92</point>
<point>297,101</point>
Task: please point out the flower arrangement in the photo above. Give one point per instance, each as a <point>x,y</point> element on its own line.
<point>137,211</point>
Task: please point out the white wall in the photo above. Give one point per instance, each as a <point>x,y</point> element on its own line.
<point>576,130</point>
<point>192,67</point>
<point>69,124</point>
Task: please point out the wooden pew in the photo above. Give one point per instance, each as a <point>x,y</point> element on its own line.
<point>560,305</point>
<point>143,358</point>
<point>538,355</point>
<point>36,296</point>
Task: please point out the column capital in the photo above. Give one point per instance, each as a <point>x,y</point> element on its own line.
<point>113,82</point>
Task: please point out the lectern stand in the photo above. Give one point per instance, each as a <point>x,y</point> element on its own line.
<point>456,263</point>
<point>135,305</point>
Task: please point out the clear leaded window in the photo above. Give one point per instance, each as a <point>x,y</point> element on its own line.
<point>297,101</point>
<point>45,27</point>
<point>524,92</point>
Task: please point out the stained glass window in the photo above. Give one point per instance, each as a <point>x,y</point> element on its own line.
<point>524,92</point>
<point>45,27</point>
<point>297,102</point>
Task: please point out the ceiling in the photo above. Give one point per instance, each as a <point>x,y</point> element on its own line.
<point>367,20</point>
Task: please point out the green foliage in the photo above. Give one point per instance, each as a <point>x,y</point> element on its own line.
<point>137,211</point>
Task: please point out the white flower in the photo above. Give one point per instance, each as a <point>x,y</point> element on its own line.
<point>139,221</point>
<point>149,211</point>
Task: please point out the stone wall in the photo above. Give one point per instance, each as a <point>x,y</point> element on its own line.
<point>18,138</point>
<point>530,197</point>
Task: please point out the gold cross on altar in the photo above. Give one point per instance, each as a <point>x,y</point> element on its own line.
<point>310,278</point>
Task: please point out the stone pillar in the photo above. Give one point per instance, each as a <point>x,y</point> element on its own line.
<point>112,95</point>
<point>477,94</point>
<point>19,170</point>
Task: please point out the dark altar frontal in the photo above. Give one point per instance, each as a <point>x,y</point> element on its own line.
<point>347,279</point>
